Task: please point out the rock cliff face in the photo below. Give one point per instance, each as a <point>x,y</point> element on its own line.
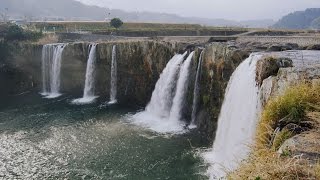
<point>17,73</point>
<point>219,62</point>
<point>287,77</point>
<point>139,64</point>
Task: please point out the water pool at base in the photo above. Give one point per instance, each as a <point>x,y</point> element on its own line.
<point>53,139</point>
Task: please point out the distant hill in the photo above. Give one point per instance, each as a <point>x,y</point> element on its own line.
<point>299,19</point>
<point>74,10</point>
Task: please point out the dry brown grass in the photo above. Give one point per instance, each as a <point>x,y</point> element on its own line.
<point>293,103</point>
<point>265,163</point>
<point>48,38</point>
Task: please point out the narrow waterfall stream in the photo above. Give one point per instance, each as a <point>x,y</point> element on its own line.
<point>237,120</point>
<point>88,93</point>
<point>51,68</point>
<point>196,92</point>
<point>113,82</point>
<point>159,110</point>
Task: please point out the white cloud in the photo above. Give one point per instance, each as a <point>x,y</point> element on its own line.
<point>227,9</point>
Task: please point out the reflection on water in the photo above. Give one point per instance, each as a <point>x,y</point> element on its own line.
<point>53,139</point>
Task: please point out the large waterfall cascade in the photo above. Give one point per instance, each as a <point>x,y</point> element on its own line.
<point>237,120</point>
<point>161,100</point>
<point>196,92</point>
<point>163,113</point>
<point>113,81</point>
<point>88,93</point>
<point>51,69</point>
<point>181,90</point>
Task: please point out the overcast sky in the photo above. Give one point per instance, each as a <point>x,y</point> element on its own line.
<point>226,9</point>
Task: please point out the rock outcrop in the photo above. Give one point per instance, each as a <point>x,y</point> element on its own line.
<point>302,134</point>
<point>219,62</point>
<point>269,66</point>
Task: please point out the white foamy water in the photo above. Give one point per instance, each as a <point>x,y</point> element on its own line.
<point>237,120</point>
<point>161,100</point>
<point>181,91</point>
<point>113,82</point>
<point>156,115</point>
<point>51,69</point>
<point>88,93</point>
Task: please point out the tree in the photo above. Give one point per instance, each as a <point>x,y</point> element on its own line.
<point>116,23</point>
<point>14,33</point>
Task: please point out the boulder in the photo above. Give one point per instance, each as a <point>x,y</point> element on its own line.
<point>269,66</point>
<point>305,145</point>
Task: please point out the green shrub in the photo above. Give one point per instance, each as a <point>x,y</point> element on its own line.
<point>4,51</point>
<point>32,35</point>
<point>292,104</point>
<point>206,99</point>
<point>16,33</point>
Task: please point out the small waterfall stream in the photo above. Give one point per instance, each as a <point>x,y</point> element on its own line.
<point>196,92</point>
<point>51,68</point>
<point>113,82</point>
<point>237,120</point>
<point>88,93</point>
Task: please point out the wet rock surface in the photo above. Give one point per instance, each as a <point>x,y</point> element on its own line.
<point>219,62</point>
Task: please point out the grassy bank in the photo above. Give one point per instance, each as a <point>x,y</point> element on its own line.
<point>265,162</point>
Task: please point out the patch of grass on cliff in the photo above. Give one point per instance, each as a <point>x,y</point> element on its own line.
<point>292,105</point>
<point>264,161</point>
<point>281,138</point>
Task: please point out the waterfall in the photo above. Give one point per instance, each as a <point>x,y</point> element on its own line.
<point>161,100</point>
<point>181,91</point>
<point>196,92</point>
<point>51,68</point>
<point>88,93</point>
<point>45,60</point>
<point>157,113</point>
<point>113,82</point>
<point>237,120</point>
